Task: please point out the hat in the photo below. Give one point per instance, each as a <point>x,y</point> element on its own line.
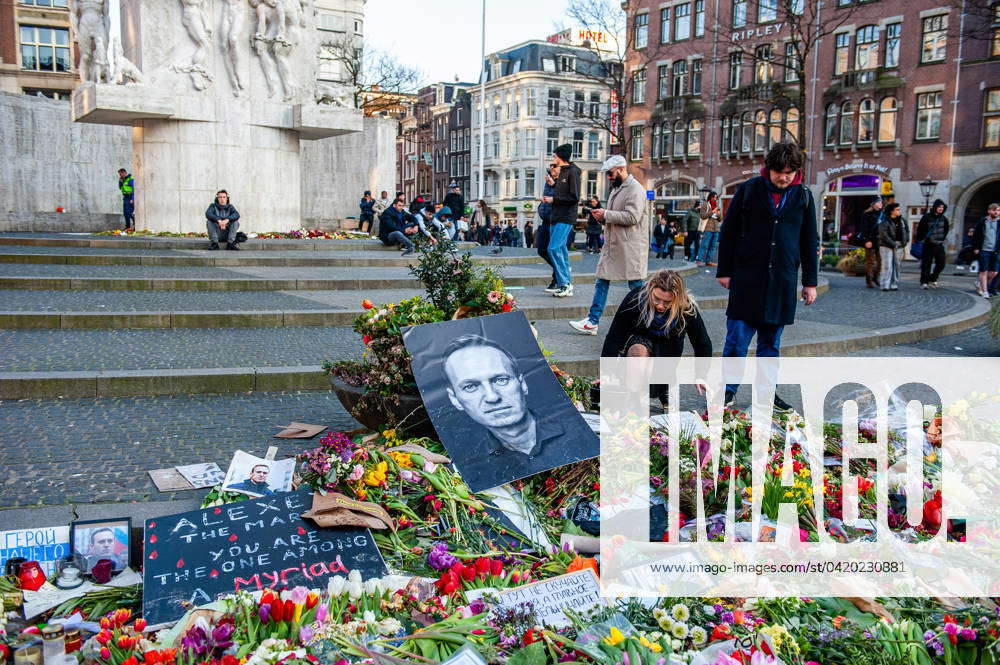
<point>613,162</point>
<point>368,192</point>
<point>564,152</point>
<point>453,185</point>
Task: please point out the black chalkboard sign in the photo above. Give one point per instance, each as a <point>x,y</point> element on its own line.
<point>192,558</point>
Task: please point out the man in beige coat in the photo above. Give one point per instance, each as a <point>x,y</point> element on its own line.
<point>625,256</point>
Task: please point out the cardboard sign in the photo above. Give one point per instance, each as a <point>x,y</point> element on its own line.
<point>170,480</point>
<point>192,558</point>
<point>579,591</point>
<point>45,545</point>
<point>202,475</point>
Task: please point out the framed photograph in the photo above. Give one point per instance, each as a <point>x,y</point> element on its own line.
<point>494,401</point>
<point>102,539</point>
<point>257,477</point>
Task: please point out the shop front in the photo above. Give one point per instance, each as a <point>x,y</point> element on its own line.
<point>844,201</point>
<point>674,198</point>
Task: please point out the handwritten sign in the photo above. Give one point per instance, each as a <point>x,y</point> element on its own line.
<point>579,591</point>
<point>194,557</point>
<point>46,546</point>
<point>202,475</point>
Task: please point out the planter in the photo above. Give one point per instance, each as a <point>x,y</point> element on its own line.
<point>377,412</point>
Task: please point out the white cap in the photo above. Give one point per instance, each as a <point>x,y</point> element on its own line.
<point>613,162</point>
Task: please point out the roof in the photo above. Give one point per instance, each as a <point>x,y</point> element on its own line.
<point>529,56</point>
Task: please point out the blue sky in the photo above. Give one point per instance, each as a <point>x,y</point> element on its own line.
<point>442,37</point>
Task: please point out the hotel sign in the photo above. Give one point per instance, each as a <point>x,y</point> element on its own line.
<point>579,37</point>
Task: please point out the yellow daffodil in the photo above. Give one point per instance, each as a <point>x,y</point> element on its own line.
<point>378,475</point>
<point>652,646</point>
<point>615,638</point>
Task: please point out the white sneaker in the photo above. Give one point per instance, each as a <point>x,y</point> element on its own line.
<point>584,326</point>
<point>563,291</point>
<point>986,294</point>
<point>925,286</point>
<point>935,285</point>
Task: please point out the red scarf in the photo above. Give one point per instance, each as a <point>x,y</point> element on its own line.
<point>776,195</point>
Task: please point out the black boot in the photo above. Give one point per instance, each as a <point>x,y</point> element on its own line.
<point>214,245</point>
<point>233,246</point>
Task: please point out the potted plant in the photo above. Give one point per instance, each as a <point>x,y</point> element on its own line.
<point>853,263</point>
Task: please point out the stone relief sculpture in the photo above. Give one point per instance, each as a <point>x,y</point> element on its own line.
<point>87,18</point>
<point>196,23</point>
<point>124,70</point>
<point>277,35</point>
<point>232,26</point>
<point>334,95</point>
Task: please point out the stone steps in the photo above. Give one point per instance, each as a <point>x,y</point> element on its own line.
<point>153,242</point>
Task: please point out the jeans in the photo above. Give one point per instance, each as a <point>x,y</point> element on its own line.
<point>398,238</point>
<point>692,243</point>
<point>128,211</point>
<point>601,297</point>
<point>889,277</point>
<point>933,253</point>
<point>226,235</point>
<point>738,336</point>
<point>709,241</point>
<point>542,246</point>
<point>663,246</point>
<point>558,253</point>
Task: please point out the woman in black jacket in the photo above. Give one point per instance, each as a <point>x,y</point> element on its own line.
<point>594,227</point>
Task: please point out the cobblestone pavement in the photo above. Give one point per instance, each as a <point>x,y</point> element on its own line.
<point>99,450</point>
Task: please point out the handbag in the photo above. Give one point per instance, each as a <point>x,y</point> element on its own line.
<point>917,249</point>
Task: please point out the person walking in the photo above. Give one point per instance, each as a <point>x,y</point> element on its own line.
<point>663,237</point>
<point>222,221</point>
<point>710,216</point>
<point>869,236</point>
<point>367,206</point>
<point>126,184</point>
<point>594,227</point>
<point>892,238</point>
<point>769,232</point>
<point>564,212</point>
<point>690,225</point>
<point>986,249</point>
<point>529,234</point>
<point>545,217</point>
<point>626,237</point>
<point>932,230</point>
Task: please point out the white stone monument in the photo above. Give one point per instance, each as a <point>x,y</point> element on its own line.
<point>218,94</point>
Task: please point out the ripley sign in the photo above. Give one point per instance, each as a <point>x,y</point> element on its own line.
<point>764,31</point>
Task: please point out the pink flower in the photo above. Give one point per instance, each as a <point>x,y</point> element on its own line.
<point>323,611</point>
<point>493,296</point>
<point>430,467</point>
<point>306,634</point>
<point>357,473</point>
<point>298,595</point>
<point>409,476</point>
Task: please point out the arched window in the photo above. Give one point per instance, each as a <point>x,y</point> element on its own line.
<point>846,122</point>
<point>866,121</point>
<point>694,138</point>
<point>830,134</point>
<point>726,134</point>
<point>792,125</point>
<point>747,131</point>
<point>866,47</point>
<point>680,142</point>
<point>775,126</point>
<point>760,131</point>
<point>887,120</point>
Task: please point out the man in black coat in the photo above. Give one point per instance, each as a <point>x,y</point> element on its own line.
<point>222,221</point>
<point>933,232</point>
<point>768,233</point>
<point>455,201</point>
<point>395,227</point>
<point>869,235</point>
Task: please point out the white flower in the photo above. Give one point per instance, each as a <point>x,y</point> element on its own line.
<point>680,630</point>
<point>354,590</point>
<point>335,586</point>
<point>699,636</point>
<point>665,623</point>
<point>658,612</point>
<point>680,612</point>
<point>708,609</point>
<point>373,587</point>
<point>354,576</point>
<point>368,616</point>
<point>676,645</point>
<point>389,627</point>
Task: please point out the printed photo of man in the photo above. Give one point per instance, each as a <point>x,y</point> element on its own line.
<point>101,545</point>
<point>256,484</point>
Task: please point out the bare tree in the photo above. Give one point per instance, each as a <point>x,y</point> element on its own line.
<point>376,80</point>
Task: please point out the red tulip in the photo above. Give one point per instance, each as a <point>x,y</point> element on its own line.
<point>122,616</point>
<point>367,304</point>
<point>140,625</point>
<point>469,573</point>
<point>105,654</point>
<point>482,566</point>
<point>864,484</point>
<point>932,513</point>
<point>289,611</point>
<point>277,611</point>
<point>496,568</point>
<point>103,637</point>
<point>131,660</point>
<point>530,636</point>
<point>311,600</point>
<point>106,622</point>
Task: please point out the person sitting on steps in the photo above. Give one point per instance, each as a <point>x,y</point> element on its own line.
<point>223,221</point>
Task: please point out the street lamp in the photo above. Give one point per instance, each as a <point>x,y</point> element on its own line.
<point>927,188</point>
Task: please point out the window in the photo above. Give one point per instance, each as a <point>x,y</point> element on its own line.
<point>579,104</point>
<point>496,109</point>
<point>699,18</point>
<point>846,123</point>
<point>797,7</point>
<point>842,54</point>
<point>530,142</point>
<point>665,141</point>
<point>663,82</point>
<point>530,101</point>
<point>551,141</point>
<point>760,131</point>
<point>935,38</point>
<point>995,33</point>
<point>654,147</point>
<point>696,76</point>
<point>515,67</point>
<point>866,43</point>
<point>680,144</point>
<point>991,119</point>
<point>665,25</point>
<point>774,127</point>
<point>45,49</point>
<point>496,144</point>
<point>763,68</point>
<point>929,115</point>
<point>830,132</point>
<point>509,107</point>
<point>591,183</point>
<point>495,71</point>
<point>44,3</point>
<point>595,105</point>
<point>517,105</point>
<point>866,121</point>
<point>578,144</point>
<point>593,146</point>
<point>739,13</point>
<point>552,109</point>
<point>641,23</point>
<point>694,138</point>
<point>682,21</point>
<point>548,65</point>
<point>358,27</point>
<point>639,86</point>
<point>892,33</point>
<point>726,134</point>
<point>516,184</point>
<point>767,11</point>
<point>735,70</point>
<point>636,135</point>
<point>792,64</point>
<point>747,132</point>
<point>567,63</point>
<point>529,182</point>
<point>792,124</point>
<point>680,78</point>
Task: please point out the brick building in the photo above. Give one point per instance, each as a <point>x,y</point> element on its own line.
<point>871,96</point>
<point>460,142</point>
<point>36,48</point>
